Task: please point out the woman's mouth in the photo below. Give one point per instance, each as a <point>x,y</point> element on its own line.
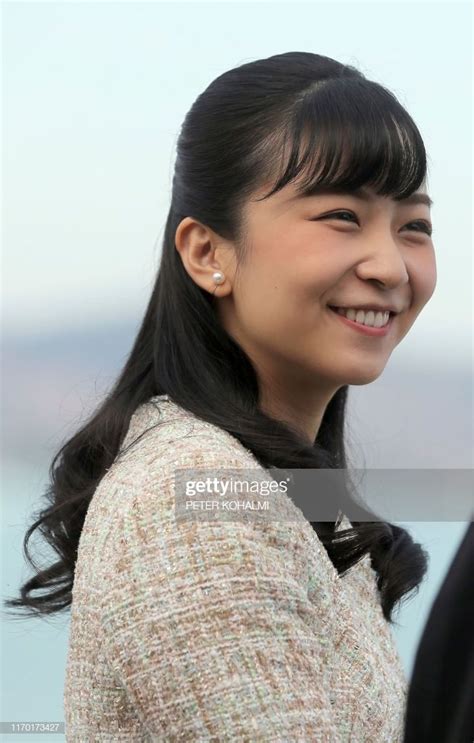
<point>360,327</point>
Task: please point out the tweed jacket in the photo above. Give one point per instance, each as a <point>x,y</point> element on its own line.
<point>219,630</point>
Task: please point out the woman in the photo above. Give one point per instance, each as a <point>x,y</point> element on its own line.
<point>297,254</point>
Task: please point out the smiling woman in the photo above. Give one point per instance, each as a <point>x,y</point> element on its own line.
<point>250,631</point>
<point>320,245</point>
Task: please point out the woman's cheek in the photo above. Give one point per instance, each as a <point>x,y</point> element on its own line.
<point>426,279</point>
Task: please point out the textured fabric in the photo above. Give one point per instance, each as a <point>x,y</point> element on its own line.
<point>218,631</point>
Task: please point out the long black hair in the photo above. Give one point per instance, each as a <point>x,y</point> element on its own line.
<point>271,120</point>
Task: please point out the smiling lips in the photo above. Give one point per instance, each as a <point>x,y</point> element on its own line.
<point>371,318</point>
<point>365,329</point>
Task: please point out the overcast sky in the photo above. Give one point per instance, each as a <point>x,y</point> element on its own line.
<point>94,95</point>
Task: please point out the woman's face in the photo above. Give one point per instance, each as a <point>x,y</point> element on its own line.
<point>303,256</point>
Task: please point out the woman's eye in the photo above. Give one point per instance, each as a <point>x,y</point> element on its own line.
<point>421,224</point>
<point>339,215</point>
<point>425,226</point>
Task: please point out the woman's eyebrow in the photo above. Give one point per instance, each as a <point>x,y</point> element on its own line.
<point>361,193</point>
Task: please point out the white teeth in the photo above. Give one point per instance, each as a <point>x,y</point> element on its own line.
<point>370,318</point>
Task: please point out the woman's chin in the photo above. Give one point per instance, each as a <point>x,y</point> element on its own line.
<point>362,374</point>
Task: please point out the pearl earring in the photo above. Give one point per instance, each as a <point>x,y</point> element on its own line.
<point>218,277</point>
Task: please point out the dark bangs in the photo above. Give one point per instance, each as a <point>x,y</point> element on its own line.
<point>355,134</point>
